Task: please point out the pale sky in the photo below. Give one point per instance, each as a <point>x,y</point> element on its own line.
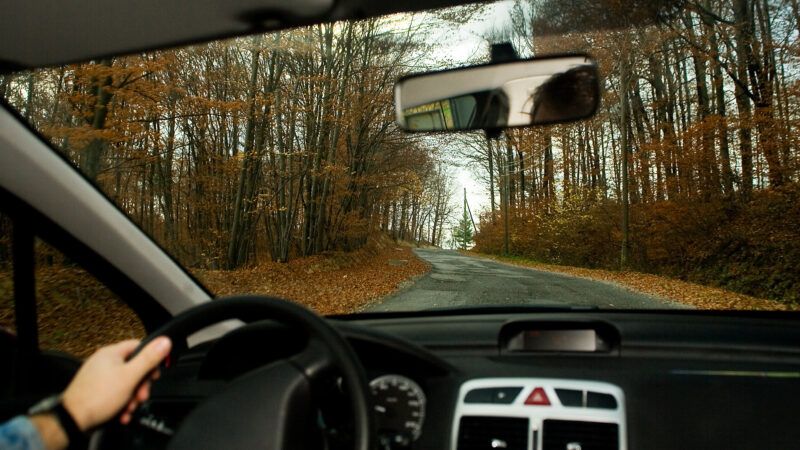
<point>463,49</point>
<point>459,45</point>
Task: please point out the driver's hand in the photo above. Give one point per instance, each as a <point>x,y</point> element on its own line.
<point>107,385</point>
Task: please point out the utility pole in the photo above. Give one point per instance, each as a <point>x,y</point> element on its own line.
<point>469,210</point>
<point>465,202</point>
<point>461,223</point>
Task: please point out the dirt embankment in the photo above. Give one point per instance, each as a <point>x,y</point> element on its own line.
<point>695,295</point>
<point>336,283</point>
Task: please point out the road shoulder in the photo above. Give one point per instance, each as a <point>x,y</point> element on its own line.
<point>675,291</point>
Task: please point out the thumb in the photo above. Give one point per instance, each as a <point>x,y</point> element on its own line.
<point>150,356</point>
<point>124,348</point>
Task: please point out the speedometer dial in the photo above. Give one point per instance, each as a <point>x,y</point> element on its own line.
<point>399,408</point>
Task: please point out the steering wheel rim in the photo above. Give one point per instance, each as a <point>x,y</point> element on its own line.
<point>253,308</point>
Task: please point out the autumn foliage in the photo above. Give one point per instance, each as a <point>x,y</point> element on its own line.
<point>332,283</point>
<point>283,146</point>
<point>77,314</point>
<point>689,168</point>
<point>264,148</point>
<point>750,247</point>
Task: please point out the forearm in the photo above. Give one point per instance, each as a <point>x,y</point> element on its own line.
<point>21,433</point>
<point>50,431</point>
<point>106,385</point>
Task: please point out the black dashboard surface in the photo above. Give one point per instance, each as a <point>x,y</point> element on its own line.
<point>692,380</point>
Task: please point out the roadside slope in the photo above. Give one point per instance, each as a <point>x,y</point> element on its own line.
<point>337,283</point>
<point>690,294</point>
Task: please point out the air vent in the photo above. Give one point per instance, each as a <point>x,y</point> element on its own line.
<point>488,433</point>
<point>566,434</point>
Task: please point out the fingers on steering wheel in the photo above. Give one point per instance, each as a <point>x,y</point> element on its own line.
<point>127,413</point>
<point>149,357</point>
<point>140,396</point>
<point>142,393</point>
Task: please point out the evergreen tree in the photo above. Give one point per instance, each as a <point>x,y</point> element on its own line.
<point>462,233</point>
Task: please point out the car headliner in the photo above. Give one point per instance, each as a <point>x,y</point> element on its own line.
<point>37,33</point>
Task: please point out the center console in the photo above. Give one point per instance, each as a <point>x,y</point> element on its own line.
<point>539,414</point>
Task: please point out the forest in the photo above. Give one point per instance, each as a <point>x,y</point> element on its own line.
<point>261,148</point>
<point>283,145</point>
<point>689,168</point>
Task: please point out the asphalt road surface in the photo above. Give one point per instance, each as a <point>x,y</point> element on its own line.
<point>458,280</point>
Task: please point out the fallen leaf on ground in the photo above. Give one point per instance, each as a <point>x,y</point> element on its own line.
<point>698,296</point>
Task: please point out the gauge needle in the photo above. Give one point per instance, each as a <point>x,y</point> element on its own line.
<point>380,409</point>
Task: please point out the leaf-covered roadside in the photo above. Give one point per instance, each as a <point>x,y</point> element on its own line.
<point>685,293</point>
<point>77,314</point>
<point>335,283</point>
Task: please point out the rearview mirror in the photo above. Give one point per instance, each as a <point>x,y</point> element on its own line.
<point>536,91</point>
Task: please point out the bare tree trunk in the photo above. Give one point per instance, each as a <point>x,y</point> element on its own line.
<point>762,76</point>
<point>719,93</point>
<point>744,55</point>
<point>241,206</point>
<point>521,179</point>
<point>491,175</point>
<point>625,151</point>
<point>93,153</point>
<point>549,169</point>
<point>709,173</point>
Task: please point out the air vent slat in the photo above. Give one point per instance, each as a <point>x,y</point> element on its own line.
<point>478,433</point>
<point>558,434</point>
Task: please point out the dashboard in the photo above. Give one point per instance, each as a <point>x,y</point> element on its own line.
<point>548,381</point>
<point>613,379</point>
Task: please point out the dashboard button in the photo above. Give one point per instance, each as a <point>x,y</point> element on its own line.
<point>479,396</point>
<point>597,400</point>
<point>570,397</point>
<point>537,397</point>
<point>504,395</point>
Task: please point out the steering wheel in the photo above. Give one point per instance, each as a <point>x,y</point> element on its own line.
<point>270,407</point>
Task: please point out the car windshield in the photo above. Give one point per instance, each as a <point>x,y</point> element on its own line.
<point>273,163</point>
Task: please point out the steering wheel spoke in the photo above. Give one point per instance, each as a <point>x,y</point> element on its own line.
<point>256,399</point>
<point>181,390</point>
<point>314,361</point>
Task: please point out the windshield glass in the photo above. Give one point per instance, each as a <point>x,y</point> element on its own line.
<point>273,164</point>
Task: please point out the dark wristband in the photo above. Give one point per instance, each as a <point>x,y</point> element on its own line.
<point>77,438</point>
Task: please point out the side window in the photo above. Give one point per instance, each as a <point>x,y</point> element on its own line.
<point>76,313</point>
<point>6,277</point>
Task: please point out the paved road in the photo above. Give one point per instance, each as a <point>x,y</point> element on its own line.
<point>457,280</point>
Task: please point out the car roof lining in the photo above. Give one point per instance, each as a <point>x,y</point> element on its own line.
<point>41,33</point>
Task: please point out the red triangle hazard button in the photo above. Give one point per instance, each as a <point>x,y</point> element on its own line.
<point>538,397</point>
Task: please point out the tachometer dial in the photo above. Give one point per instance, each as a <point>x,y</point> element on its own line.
<point>399,408</point>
